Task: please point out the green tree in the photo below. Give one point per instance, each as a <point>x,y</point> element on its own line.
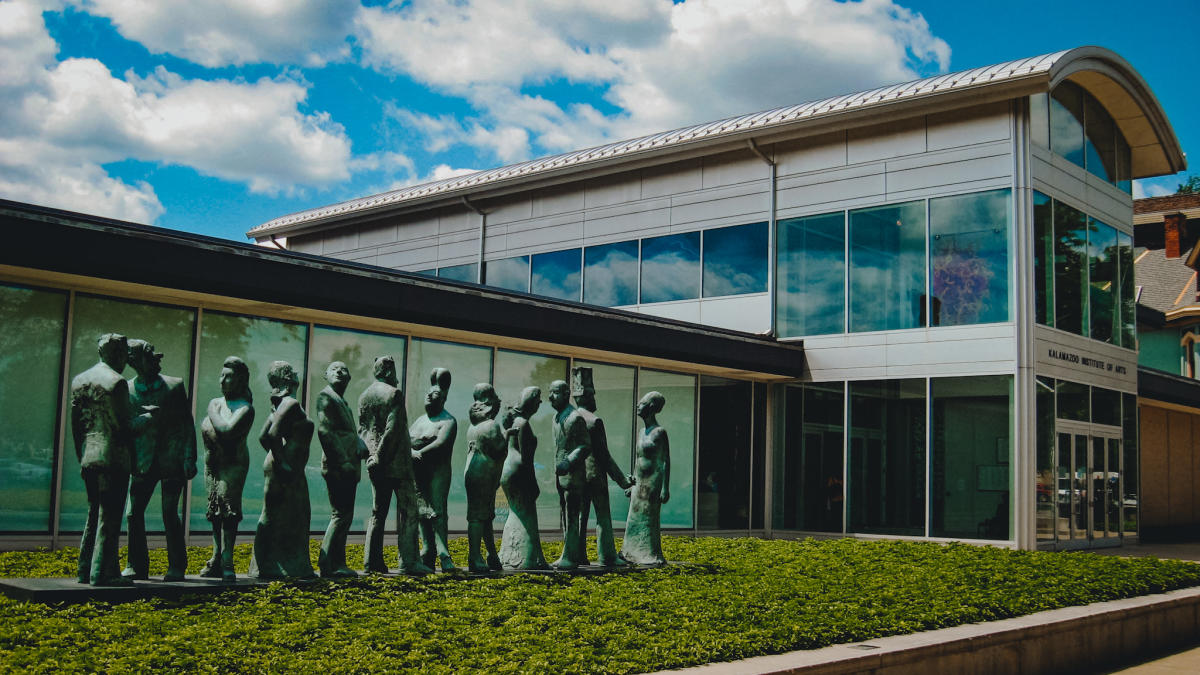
<point>1189,187</point>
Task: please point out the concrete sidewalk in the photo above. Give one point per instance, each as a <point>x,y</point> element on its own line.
<point>1187,661</point>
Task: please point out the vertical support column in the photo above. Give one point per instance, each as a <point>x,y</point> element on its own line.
<point>769,453</point>
<point>771,244</point>
<point>479,275</point>
<point>195,382</point>
<point>60,440</point>
<point>1023,480</point>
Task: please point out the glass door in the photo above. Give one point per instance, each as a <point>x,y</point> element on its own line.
<point>1088,503</point>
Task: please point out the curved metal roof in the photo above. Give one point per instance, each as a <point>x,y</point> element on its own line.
<point>1107,75</point>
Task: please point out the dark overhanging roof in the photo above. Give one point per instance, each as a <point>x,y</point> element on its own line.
<point>74,243</point>
<point>1159,385</point>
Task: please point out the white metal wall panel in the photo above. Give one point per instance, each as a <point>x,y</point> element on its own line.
<point>973,126</point>
<point>549,233</point>
<point>672,179</point>
<point>827,151</point>
<point>884,141</point>
<point>553,201</point>
<point>750,313</point>
<point>628,224</point>
<point>376,235</point>
<point>684,311</point>
<point>733,168</point>
<point>608,191</point>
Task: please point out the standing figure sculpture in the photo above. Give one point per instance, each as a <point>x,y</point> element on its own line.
<point>281,540</point>
<point>432,437</point>
<point>383,427</point>
<point>572,445</point>
<point>224,430</point>
<point>521,546</point>
<point>162,451</point>
<point>341,466</point>
<point>100,426</point>
<point>598,466</point>
<point>652,470</point>
<point>486,450</point>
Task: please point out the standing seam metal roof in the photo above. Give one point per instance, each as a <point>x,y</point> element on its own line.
<point>765,120</point>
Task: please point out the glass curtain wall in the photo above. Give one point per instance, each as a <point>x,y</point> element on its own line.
<point>811,494</point>
<point>610,274</point>
<point>887,457</point>
<point>1104,287</point>
<point>671,267</point>
<point>1046,491</point>
<point>615,402</point>
<point>468,272</point>
<point>510,273</point>
<point>887,267</point>
<point>1044,256</point>
<point>735,260</point>
<point>811,275</point>
<point>968,257</point>
<point>170,329</point>
<point>1070,269</point>
<point>32,324</point>
<point>557,274</point>
<point>723,494</point>
<point>678,417</point>
<point>1078,128</point>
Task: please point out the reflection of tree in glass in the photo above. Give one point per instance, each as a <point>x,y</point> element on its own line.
<point>31,327</point>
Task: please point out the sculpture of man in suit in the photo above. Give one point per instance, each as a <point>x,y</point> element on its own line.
<point>598,466</point>
<point>341,465</point>
<point>572,444</point>
<point>164,451</point>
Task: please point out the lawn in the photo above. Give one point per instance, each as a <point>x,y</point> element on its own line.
<point>736,598</point>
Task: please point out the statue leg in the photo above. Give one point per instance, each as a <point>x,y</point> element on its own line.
<point>381,494</point>
<point>572,536</point>
<point>406,530</point>
<point>441,528</point>
<point>106,569</point>
<point>489,541</point>
<point>341,496</point>
<point>475,561</point>
<point>606,547</point>
<point>229,528</point>
<point>141,489</point>
<point>88,543</point>
<point>212,568</point>
<point>428,547</point>
<point>172,490</point>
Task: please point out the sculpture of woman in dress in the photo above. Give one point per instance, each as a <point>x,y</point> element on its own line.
<point>224,430</point>
<point>652,471</point>
<point>486,451</point>
<point>281,541</point>
<point>520,546</point>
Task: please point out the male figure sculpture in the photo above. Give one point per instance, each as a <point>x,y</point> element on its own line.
<point>341,465</point>
<point>572,444</point>
<point>163,451</point>
<point>598,466</point>
<point>486,451</point>
<point>432,437</point>
<point>100,426</point>
<point>383,426</point>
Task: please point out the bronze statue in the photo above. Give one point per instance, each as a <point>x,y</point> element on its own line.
<point>164,451</point>
<point>598,466</point>
<point>572,444</point>
<point>521,545</point>
<point>652,470</point>
<point>341,466</point>
<point>432,437</point>
<point>383,427</point>
<point>281,540</point>
<point>100,426</point>
<point>486,450</point>
<point>224,431</point>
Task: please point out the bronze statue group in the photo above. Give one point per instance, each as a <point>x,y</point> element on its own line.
<point>132,435</point>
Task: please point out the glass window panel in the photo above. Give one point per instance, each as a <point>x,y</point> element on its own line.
<point>887,457</point>
<point>1043,258</point>
<point>1044,396</point>
<point>1106,406</point>
<point>1124,163</point>
<point>1080,483</point>
<point>1126,300</point>
<point>1131,479</point>
<point>811,270</point>
<point>1100,144</point>
<point>258,342</point>
<point>468,365</point>
<point>610,274</point>
<point>358,350</point>
<point>1071,399</point>
<point>812,463</point>
<point>972,453</point>
<point>32,323</point>
<point>1104,290</point>
<point>1070,269</point>
<point>432,272</point>
<point>735,260</point>
<point>1039,120</point>
<point>671,267</point>
<point>758,462</point>
<point>1066,121</point>
<point>171,331</point>
<point>678,418</point>
<point>468,272</point>
<point>1064,493</point>
<point>514,372</point>
<point>615,403</point>
<point>557,274</point>
<point>968,251</point>
<point>723,494</point>
<point>510,273</point>
<point>887,267</point>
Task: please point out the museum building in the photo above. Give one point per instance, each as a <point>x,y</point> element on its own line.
<point>908,312</point>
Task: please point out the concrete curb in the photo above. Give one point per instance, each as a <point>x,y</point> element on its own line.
<point>1093,637</point>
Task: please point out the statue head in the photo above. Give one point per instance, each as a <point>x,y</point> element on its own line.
<point>650,405</point>
<point>144,359</point>
<point>114,350</point>
<point>283,378</point>
<point>440,377</point>
<point>435,401</point>
<point>486,405</point>
<point>582,388</point>
<point>385,370</point>
<point>338,377</point>
<point>235,379</point>
<point>531,400</point>
<point>560,395</point>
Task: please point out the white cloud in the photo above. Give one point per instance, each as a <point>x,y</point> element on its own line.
<point>218,33</point>
<point>1156,187</point>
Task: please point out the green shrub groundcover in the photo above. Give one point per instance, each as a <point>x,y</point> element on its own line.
<point>737,598</point>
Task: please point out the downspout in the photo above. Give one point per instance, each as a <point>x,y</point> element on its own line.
<point>482,237</point>
<point>770,233</point>
<point>279,246</point>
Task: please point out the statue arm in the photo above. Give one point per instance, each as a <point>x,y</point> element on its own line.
<point>329,426</point>
<point>666,460</point>
<point>185,433</point>
<point>238,424</point>
<point>77,430</point>
<point>578,433</point>
<point>604,459</point>
<point>395,429</point>
<point>443,443</point>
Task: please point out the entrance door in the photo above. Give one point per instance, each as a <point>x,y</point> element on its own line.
<point>1089,489</point>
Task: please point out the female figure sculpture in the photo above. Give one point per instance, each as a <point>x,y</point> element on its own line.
<point>224,432</point>
<point>486,450</point>
<point>281,541</point>
<point>652,473</point>
<point>520,546</point>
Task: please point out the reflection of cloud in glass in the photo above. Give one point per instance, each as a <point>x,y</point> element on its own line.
<point>465,272</point>
<point>969,264</point>
<point>887,267</point>
<point>1066,122</point>
<point>610,274</point>
<point>557,274</point>
<point>671,267</point>
<point>811,272</point>
<point>510,273</point>
<point>735,260</point>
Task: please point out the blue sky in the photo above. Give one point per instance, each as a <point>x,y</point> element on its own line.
<point>214,116</point>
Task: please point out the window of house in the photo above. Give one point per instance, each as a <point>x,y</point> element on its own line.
<point>887,267</point>
<point>811,275</point>
<point>671,267</point>
<point>968,265</point>
<point>557,274</point>
<point>511,274</point>
<point>735,260</point>
<point>610,274</point>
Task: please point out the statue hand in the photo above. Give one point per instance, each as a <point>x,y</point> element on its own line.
<point>629,491</point>
<point>666,496</point>
<point>630,481</point>
<point>152,409</point>
<point>563,468</point>
<point>418,455</point>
